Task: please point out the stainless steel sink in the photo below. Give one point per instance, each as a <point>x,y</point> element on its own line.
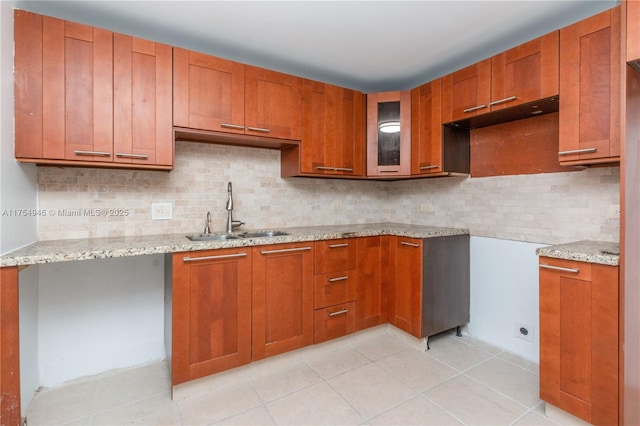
<point>260,234</point>
<point>212,237</point>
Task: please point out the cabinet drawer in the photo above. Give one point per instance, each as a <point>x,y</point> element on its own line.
<point>335,255</point>
<point>334,321</point>
<point>566,268</point>
<point>333,288</point>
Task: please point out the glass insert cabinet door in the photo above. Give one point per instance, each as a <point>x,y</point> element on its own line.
<point>389,134</point>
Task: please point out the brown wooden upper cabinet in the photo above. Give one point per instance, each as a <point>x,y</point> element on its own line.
<point>219,95</point>
<point>633,32</point>
<point>389,134</point>
<point>86,96</point>
<point>333,133</point>
<point>590,90</point>
<point>520,75</point>
<point>426,129</point>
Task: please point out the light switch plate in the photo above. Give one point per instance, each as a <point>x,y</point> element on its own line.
<point>161,211</point>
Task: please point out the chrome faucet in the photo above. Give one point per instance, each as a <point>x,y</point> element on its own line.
<point>230,222</point>
<point>207,221</point>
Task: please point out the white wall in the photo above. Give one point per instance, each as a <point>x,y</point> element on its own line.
<point>99,315</point>
<point>504,290</point>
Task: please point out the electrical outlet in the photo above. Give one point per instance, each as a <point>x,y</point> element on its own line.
<point>614,211</point>
<point>161,211</point>
<point>523,331</point>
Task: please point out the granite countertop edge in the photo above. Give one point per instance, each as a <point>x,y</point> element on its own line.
<point>52,251</point>
<point>604,253</point>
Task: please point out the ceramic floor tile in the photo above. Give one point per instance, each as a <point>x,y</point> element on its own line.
<point>533,418</point>
<point>371,390</point>
<point>256,416</point>
<point>454,352</point>
<point>506,378</point>
<point>273,383</point>
<point>316,405</point>
<point>474,403</point>
<point>158,410</point>
<point>520,362</point>
<point>63,404</point>
<point>416,411</point>
<point>416,369</point>
<point>379,346</point>
<point>217,404</point>
<point>331,363</point>
<point>561,417</point>
<point>209,383</point>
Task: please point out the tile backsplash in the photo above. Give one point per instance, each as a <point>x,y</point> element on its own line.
<point>545,208</point>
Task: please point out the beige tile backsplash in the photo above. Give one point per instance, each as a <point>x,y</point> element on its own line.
<point>545,208</point>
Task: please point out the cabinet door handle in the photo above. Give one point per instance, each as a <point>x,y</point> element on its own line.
<point>284,250</point>
<point>475,108</point>
<point>578,151</point>
<point>343,169</point>
<point>389,171</point>
<point>100,153</point>
<point>258,129</point>
<point>219,256</point>
<point>142,156</point>
<point>338,245</point>
<point>231,126</point>
<point>501,101</point>
<point>325,168</point>
<point>405,243</point>
<point>429,167</point>
<point>559,268</point>
<point>336,279</point>
<point>340,312</point>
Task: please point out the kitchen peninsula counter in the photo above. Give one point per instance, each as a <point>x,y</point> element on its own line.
<point>101,248</point>
<point>604,253</point>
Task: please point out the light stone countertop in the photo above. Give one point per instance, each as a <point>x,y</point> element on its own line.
<point>600,252</point>
<point>102,248</point>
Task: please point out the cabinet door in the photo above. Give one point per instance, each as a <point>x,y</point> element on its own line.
<point>273,104</point>
<point>405,284</point>
<point>426,129</point>
<point>525,73</point>
<point>467,92</point>
<point>143,131</point>
<point>389,152</point>
<point>633,32</point>
<point>372,272</point>
<point>282,300</point>
<point>579,338</point>
<point>211,324</point>
<point>208,92</point>
<point>590,90</point>
<point>64,90</point>
<point>350,132</point>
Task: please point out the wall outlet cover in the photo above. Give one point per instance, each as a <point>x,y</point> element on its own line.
<point>161,211</point>
<point>523,331</point>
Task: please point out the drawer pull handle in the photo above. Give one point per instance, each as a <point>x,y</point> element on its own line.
<point>333,280</point>
<point>284,250</point>
<point>404,243</point>
<point>343,169</point>
<point>258,129</point>
<point>559,268</point>
<point>101,153</point>
<point>429,167</point>
<point>340,312</point>
<point>579,151</point>
<point>338,245</point>
<point>325,168</point>
<point>501,101</point>
<point>141,156</point>
<point>475,108</point>
<point>389,171</point>
<point>219,256</point>
<point>231,126</point>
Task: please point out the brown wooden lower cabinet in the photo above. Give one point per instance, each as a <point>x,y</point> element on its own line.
<point>334,321</point>
<point>211,312</point>
<point>372,272</point>
<point>282,300</point>
<point>579,338</point>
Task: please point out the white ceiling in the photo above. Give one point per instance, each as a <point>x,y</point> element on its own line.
<point>366,45</point>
